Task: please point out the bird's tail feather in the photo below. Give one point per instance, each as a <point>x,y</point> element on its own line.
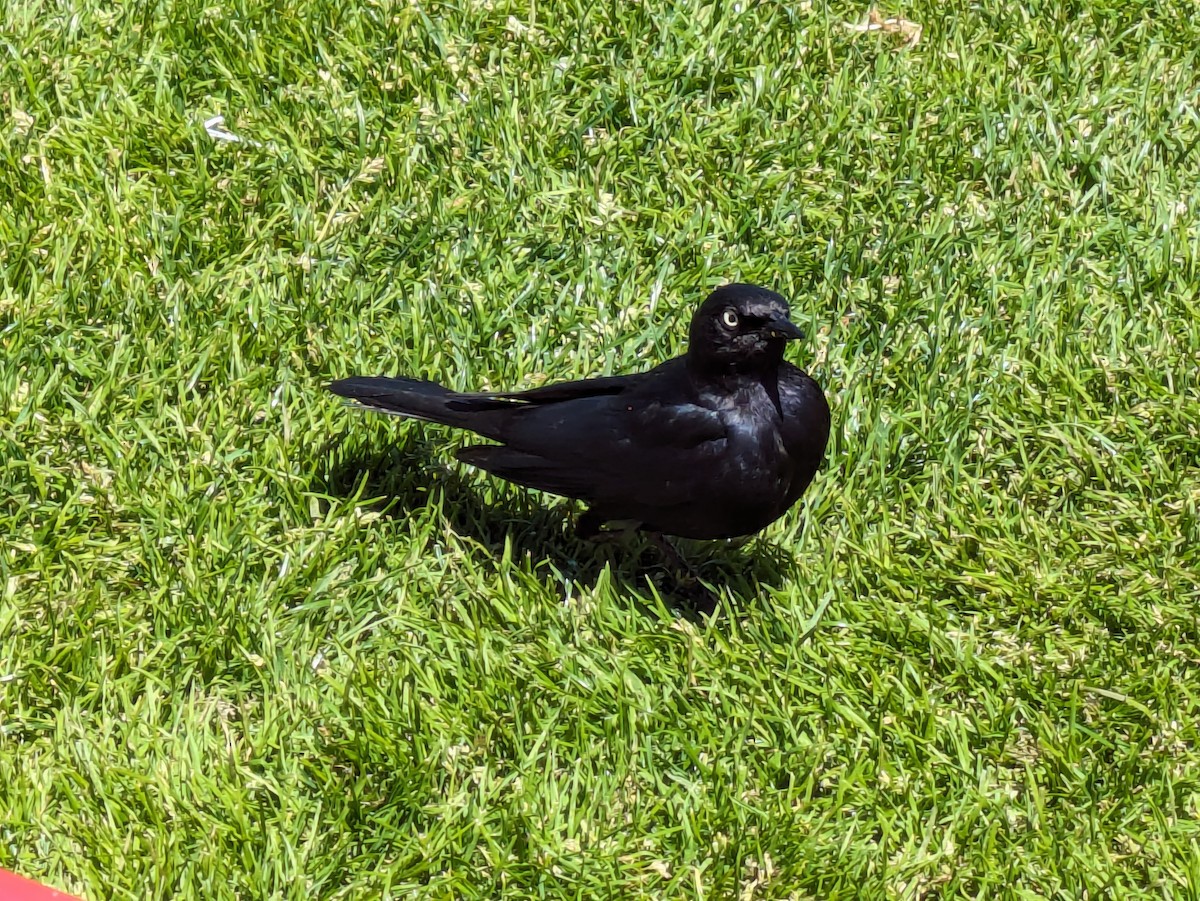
<point>420,399</point>
<point>401,396</point>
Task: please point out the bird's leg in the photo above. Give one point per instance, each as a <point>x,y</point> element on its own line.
<point>589,526</point>
<point>699,596</point>
<point>674,558</point>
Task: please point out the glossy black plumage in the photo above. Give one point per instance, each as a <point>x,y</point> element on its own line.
<point>717,443</point>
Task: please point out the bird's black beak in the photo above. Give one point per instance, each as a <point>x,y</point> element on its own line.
<point>783,328</point>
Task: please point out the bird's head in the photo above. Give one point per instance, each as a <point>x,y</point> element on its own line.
<point>740,328</point>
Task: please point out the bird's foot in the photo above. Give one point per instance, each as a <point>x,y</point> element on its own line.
<point>689,589</point>
<point>594,527</point>
<point>697,597</point>
<point>672,554</point>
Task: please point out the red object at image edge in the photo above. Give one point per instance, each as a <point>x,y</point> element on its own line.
<point>18,888</point>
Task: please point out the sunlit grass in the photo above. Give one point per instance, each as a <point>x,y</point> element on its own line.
<point>253,645</point>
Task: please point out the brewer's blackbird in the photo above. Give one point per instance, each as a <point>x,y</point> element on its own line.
<point>717,443</point>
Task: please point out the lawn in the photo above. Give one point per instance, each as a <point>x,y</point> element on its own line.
<point>254,644</point>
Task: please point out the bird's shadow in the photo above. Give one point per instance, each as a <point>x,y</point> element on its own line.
<point>528,525</point>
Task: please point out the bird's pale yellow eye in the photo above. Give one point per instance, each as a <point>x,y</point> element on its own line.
<point>730,318</point>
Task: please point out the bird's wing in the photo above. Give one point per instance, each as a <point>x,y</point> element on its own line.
<point>615,441</point>
<point>610,450</point>
<point>547,394</point>
<point>597,418</point>
<point>614,421</point>
<point>560,391</point>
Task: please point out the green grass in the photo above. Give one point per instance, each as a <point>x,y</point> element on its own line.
<point>253,645</point>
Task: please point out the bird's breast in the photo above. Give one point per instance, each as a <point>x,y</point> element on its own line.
<point>757,470</point>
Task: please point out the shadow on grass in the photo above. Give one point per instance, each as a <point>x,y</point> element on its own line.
<point>405,478</point>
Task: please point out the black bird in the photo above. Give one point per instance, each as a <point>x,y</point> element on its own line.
<point>717,443</point>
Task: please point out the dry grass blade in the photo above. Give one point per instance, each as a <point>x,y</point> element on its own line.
<point>906,32</point>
